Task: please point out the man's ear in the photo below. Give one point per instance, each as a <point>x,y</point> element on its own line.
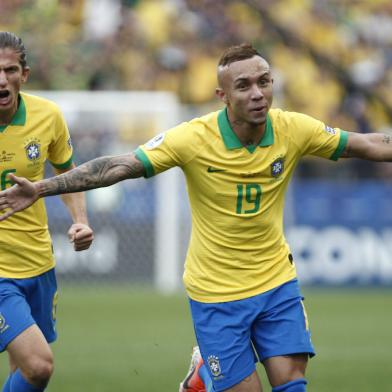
<point>221,94</point>
<point>25,74</point>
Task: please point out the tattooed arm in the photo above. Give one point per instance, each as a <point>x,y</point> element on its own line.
<point>370,146</point>
<point>97,173</point>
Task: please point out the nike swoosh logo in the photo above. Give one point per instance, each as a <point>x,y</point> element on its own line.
<point>212,169</point>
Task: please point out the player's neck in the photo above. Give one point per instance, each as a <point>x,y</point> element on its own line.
<point>6,116</point>
<point>5,120</point>
<point>248,134</point>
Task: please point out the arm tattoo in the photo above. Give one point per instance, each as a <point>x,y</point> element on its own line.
<point>370,146</point>
<point>97,173</point>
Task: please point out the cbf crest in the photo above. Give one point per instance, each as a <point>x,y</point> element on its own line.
<point>3,325</point>
<point>33,150</point>
<point>277,167</point>
<point>213,363</point>
<point>2,321</point>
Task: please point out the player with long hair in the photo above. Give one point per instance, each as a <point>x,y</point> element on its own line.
<point>32,131</point>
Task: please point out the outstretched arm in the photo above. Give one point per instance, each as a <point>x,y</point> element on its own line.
<point>97,173</point>
<point>370,146</point>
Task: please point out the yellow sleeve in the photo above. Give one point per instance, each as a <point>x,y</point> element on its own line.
<point>313,137</point>
<point>175,147</point>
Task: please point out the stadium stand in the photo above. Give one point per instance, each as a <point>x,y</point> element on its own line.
<point>339,52</point>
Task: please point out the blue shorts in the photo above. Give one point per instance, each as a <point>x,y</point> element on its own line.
<point>24,302</point>
<point>232,336</point>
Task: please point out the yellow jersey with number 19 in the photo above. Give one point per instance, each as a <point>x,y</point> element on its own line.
<point>36,133</point>
<point>237,247</point>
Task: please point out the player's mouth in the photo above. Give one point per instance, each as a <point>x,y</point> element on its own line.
<point>259,109</point>
<point>5,97</point>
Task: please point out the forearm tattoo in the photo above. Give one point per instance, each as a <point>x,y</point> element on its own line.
<point>371,146</point>
<point>97,173</point>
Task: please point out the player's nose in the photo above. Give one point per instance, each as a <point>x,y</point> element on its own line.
<point>3,78</point>
<point>256,92</point>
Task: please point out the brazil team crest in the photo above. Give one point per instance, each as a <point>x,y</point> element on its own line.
<point>277,167</point>
<point>213,363</point>
<point>33,150</point>
<point>3,324</point>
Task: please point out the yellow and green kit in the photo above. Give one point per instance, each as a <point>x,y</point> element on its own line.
<point>237,247</point>
<point>37,133</point>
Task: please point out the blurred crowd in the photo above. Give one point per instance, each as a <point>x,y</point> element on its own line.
<point>331,59</point>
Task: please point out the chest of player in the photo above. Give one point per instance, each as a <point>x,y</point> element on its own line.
<point>24,150</point>
<point>238,179</point>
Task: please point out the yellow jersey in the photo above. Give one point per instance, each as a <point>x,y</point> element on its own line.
<point>237,247</point>
<point>36,133</point>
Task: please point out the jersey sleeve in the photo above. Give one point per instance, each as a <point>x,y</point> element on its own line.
<point>174,147</point>
<point>60,149</point>
<point>313,137</point>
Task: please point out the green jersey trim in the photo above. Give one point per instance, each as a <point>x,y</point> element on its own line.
<point>19,117</point>
<point>231,139</point>
<point>341,146</point>
<point>141,155</point>
<point>64,165</point>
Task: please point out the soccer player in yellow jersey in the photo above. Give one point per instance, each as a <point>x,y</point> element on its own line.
<point>239,273</point>
<point>32,130</point>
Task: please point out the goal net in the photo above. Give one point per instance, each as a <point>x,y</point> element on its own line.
<point>137,223</point>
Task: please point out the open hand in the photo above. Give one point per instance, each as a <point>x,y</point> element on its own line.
<point>17,198</point>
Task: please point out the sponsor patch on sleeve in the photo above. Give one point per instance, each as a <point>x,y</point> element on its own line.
<point>330,130</point>
<point>155,141</point>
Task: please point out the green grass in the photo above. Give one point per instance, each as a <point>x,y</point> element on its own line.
<point>122,339</point>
